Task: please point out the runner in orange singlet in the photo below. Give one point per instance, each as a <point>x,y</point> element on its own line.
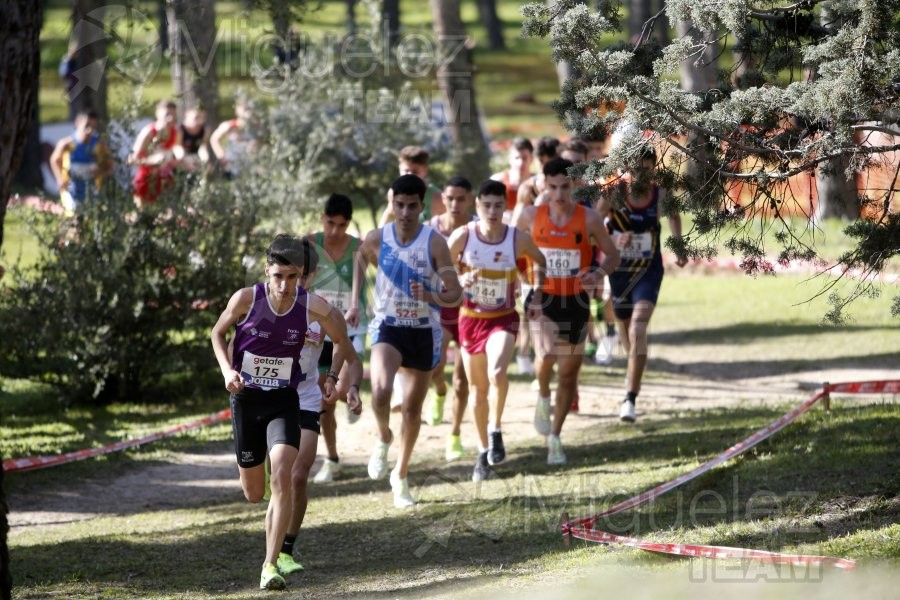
<point>564,231</point>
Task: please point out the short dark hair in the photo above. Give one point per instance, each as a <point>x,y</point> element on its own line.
<point>289,250</point>
<point>416,155</point>
<point>460,182</point>
<point>88,113</point>
<point>492,187</point>
<point>339,205</point>
<point>522,143</point>
<point>548,147</point>
<point>557,166</point>
<point>576,145</point>
<point>409,185</point>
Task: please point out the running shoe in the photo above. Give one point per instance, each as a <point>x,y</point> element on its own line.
<point>525,365</point>
<point>454,448</point>
<point>555,454</point>
<point>496,452</point>
<point>481,471</point>
<point>330,469</point>
<point>352,417</point>
<point>400,487</point>
<point>542,416</point>
<point>436,414</point>
<point>626,412</point>
<point>607,349</point>
<point>271,579</point>
<point>378,465</point>
<point>287,565</point>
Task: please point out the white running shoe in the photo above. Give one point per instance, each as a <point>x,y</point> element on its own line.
<point>555,454</point>
<point>606,349</point>
<point>526,366</point>
<point>352,417</point>
<point>626,412</point>
<point>400,487</point>
<point>330,469</point>
<point>378,461</point>
<point>542,416</point>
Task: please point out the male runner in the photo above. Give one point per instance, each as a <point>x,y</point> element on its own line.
<point>486,253</point>
<point>415,277</point>
<point>565,232</point>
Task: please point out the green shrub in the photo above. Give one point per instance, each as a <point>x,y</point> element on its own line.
<point>121,303</point>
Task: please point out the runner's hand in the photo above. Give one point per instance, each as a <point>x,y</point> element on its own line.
<point>354,401</point>
<point>233,382</point>
<point>352,317</point>
<point>329,388</point>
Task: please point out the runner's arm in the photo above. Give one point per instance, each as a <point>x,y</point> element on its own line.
<point>334,326</point>
<point>366,253</point>
<point>238,306</point>
<point>451,292</point>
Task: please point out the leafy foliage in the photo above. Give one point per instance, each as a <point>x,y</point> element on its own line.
<point>812,84</point>
<point>121,303</point>
<point>340,115</point>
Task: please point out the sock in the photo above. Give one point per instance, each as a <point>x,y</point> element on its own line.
<point>492,429</point>
<point>610,329</point>
<point>631,397</point>
<point>288,545</point>
<point>334,458</point>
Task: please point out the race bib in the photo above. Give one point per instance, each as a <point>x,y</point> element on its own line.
<point>339,300</point>
<point>403,311</point>
<point>266,372</point>
<point>562,262</point>
<point>488,292</point>
<point>640,246</point>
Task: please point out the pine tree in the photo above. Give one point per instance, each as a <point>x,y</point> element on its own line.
<point>814,84</point>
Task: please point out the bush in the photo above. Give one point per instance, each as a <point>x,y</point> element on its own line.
<point>121,304</point>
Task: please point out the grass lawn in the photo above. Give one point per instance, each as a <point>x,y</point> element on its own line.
<point>825,485</point>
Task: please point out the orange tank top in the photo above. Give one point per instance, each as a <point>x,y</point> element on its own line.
<point>566,248</point>
<point>512,191</point>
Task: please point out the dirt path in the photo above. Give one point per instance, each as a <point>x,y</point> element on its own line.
<point>190,480</point>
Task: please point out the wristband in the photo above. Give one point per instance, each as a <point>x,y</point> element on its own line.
<point>332,375</point>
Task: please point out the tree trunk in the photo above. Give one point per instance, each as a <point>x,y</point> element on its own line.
<point>29,174</point>
<point>20,66</point>
<point>698,75</point>
<point>390,21</point>
<point>564,69</point>
<point>661,28</point>
<point>90,38</point>
<point>351,16</point>
<point>487,11</point>
<point>192,37</point>
<point>639,12</point>
<point>457,82</point>
<point>837,195</point>
<point>162,15</point>
<point>280,13</point>
<point>20,61</point>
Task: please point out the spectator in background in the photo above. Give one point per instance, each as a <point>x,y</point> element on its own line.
<point>235,141</point>
<point>194,140</point>
<point>80,162</point>
<point>156,151</point>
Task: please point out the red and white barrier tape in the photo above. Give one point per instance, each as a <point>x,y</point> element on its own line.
<point>39,462</point>
<point>583,528</point>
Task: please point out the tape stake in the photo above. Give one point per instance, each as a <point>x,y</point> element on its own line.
<point>567,532</point>
<point>826,397</point>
